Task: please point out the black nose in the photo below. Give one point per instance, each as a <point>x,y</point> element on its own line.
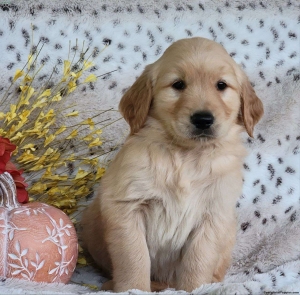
<point>202,120</point>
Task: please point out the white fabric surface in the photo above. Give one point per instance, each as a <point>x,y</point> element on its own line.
<point>262,36</point>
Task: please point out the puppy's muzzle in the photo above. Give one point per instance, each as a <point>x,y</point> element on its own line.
<point>202,123</point>
<point>202,120</point>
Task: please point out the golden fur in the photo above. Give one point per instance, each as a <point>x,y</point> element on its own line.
<point>166,207</point>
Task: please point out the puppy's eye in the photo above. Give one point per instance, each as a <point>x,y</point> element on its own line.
<point>221,85</point>
<point>179,85</point>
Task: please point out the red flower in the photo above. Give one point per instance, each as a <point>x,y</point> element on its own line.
<point>6,149</point>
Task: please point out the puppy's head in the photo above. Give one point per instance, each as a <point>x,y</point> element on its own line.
<point>195,90</point>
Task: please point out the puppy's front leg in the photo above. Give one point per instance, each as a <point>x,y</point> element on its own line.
<point>128,250</point>
<point>199,259</point>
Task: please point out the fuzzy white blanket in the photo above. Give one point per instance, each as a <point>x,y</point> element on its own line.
<point>262,36</point>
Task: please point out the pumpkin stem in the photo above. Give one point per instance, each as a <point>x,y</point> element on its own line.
<point>8,192</point>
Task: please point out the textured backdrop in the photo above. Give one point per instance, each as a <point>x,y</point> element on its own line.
<point>262,36</point>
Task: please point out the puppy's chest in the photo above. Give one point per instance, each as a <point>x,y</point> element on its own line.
<point>179,178</point>
<point>184,191</point>
<point>176,205</point>
<point>168,225</point>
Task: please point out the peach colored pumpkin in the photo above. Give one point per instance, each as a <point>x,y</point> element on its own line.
<point>37,242</point>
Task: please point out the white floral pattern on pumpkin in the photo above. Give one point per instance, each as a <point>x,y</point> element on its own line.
<point>55,234</point>
<point>21,263</point>
<point>9,228</point>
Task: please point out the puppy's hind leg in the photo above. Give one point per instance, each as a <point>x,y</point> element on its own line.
<point>128,250</point>
<point>225,254</point>
<point>199,258</point>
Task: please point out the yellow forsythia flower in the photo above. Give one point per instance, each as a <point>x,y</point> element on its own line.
<point>73,134</point>
<point>83,190</point>
<point>40,103</point>
<point>46,93</point>
<point>18,74</point>
<point>90,137</point>
<point>90,78</point>
<point>27,157</point>
<point>18,136</point>
<point>47,172</point>
<point>49,123</point>
<point>93,162</point>
<point>89,122</point>
<point>38,188</point>
<point>100,172</point>
<point>98,131</point>
<point>27,78</point>
<point>96,142</point>
<point>71,86</point>
<point>55,157</point>
<point>82,261</point>
<point>28,91</point>
<point>49,151</point>
<point>93,287</point>
<point>26,94</point>
<point>30,59</point>
<point>54,190</point>
<point>30,146</point>
<point>12,114</point>
<point>49,115</point>
<point>73,114</point>
<point>87,64</point>
<point>80,182</point>
<point>71,158</point>
<point>76,75</point>
<point>81,173</point>
<point>57,97</point>
<point>24,116</point>
<point>60,130</point>
<point>67,65</point>
<point>49,139</point>
<point>37,167</point>
<point>48,175</point>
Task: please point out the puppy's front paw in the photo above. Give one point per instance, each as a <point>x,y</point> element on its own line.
<point>157,286</point>
<point>107,286</point>
<point>123,287</point>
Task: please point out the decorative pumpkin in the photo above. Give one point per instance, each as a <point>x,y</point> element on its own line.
<point>38,242</point>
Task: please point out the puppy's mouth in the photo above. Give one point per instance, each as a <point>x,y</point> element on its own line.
<point>197,135</point>
<point>200,134</point>
<point>186,130</point>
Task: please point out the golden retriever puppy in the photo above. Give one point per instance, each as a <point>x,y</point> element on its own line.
<point>166,205</point>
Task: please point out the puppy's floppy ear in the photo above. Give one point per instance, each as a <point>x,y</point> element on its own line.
<point>251,106</point>
<point>135,103</point>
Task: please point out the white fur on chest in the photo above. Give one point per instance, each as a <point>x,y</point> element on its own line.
<point>186,189</point>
